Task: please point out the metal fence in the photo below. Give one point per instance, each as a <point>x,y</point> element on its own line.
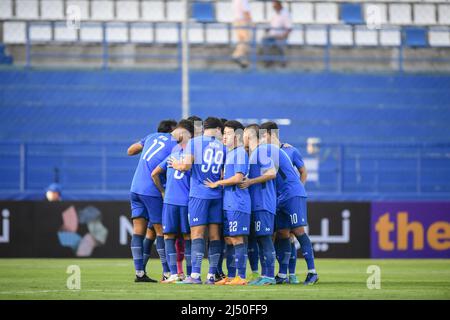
<point>370,171</point>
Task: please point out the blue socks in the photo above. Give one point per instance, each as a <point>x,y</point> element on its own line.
<point>253,253</point>
<point>241,259</point>
<point>197,253</point>
<point>171,254</point>
<point>160,247</point>
<point>187,256</point>
<point>137,253</point>
<point>293,259</point>
<point>148,243</point>
<point>307,251</point>
<point>231,261</point>
<point>214,252</point>
<point>268,252</point>
<point>222,255</point>
<point>283,255</point>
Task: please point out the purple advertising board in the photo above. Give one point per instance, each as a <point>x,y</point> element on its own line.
<point>410,230</point>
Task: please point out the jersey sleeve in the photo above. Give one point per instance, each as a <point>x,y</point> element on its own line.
<point>189,147</point>
<point>297,159</point>
<point>163,164</point>
<point>241,162</point>
<point>265,160</point>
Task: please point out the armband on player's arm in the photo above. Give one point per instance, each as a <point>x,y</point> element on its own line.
<point>135,148</point>
<point>155,176</point>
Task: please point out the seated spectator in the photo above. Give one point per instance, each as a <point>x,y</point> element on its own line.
<point>53,192</point>
<point>274,41</point>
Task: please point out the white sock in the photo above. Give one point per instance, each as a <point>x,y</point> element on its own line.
<point>209,275</point>
<point>312,271</point>
<point>195,275</point>
<point>282,275</point>
<point>140,273</point>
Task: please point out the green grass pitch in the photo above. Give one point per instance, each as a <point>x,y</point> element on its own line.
<point>113,279</point>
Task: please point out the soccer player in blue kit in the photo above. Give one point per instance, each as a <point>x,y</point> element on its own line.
<point>205,154</point>
<point>291,209</point>
<point>146,200</point>
<point>176,197</point>
<point>236,202</point>
<point>261,181</point>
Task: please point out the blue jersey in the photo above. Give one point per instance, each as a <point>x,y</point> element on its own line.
<point>177,183</point>
<point>235,198</point>
<point>288,180</point>
<point>157,147</point>
<point>263,195</point>
<point>297,161</point>
<point>209,158</point>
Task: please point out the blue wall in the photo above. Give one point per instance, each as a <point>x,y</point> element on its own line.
<point>86,109</point>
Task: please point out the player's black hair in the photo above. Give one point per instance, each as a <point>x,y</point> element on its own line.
<point>167,126</point>
<point>235,125</point>
<point>254,127</point>
<point>271,127</point>
<point>212,123</point>
<point>186,124</point>
<point>194,118</point>
<point>223,122</point>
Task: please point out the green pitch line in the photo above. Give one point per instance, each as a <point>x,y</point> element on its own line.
<point>113,279</point>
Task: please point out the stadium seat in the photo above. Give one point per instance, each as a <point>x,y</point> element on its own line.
<point>341,35</point>
<point>296,37</point>
<point>400,14</point>
<point>27,9</point>
<point>14,32</point>
<point>365,36</point>
<point>224,12</point>
<point>64,34</point>
<point>83,6</point>
<point>166,33</point>
<point>416,37</point>
<point>196,34</point>
<point>203,12</point>
<point>6,11</point>
<point>390,36</point>
<point>257,11</point>
<point>127,10</point>
<point>351,13</point>
<point>444,14</point>
<point>424,14</point>
<point>302,12</point>
<point>52,9</point>
<point>217,33</point>
<point>141,32</point>
<point>102,10</point>
<point>327,13</point>
<point>375,14</point>
<point>41,32</point>
<point>153,10</point>
<point>316,35</point>
<point>175,10</point>
<point>439,36</point>
<point>116,32</point>
<point>91,32</point>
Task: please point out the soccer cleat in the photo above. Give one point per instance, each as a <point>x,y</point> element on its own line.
<point>190,280</point>
<point>293,279</point>
<point>237,281</point>
<point>219,276</point>
<point>280,280</point>
<point>144,278</point>
<point>265,281</point>
<point>172,279</point>
<point>181,276</point>
<point>211,280</point>
<point>223,281</point>
<point>254,276</point>
<point>311,279</point>
<point>254,281</point>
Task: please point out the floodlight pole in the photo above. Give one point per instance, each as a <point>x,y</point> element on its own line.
<point>185,61</point>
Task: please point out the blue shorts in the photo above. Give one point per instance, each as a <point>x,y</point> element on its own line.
<point>205,211</point>
<point>292,213</point>
<point>175,219</point>
<point>147,207</point>
<point>262,223</point>
<point>236,223</point>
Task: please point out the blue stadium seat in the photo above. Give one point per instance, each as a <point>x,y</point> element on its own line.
<point>203,12</point>
<point>351,13</point>
<point>415,37</point>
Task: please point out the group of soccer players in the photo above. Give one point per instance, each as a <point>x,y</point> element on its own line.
<point>238,185</point>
